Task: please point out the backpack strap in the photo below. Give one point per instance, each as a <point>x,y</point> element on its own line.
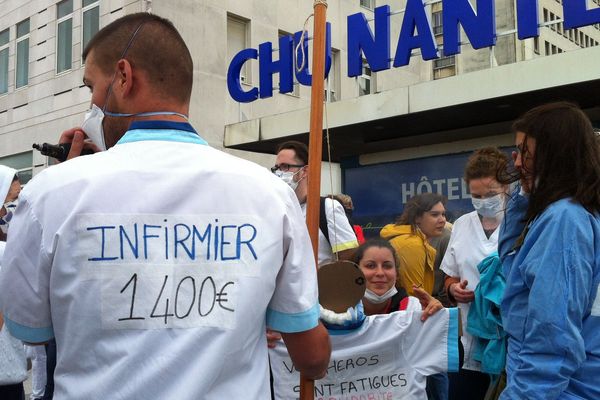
<point>323,219</point>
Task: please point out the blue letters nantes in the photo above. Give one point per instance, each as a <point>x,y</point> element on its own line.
<point>415,34</point>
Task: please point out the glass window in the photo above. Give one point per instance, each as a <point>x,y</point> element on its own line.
<point>332,84</point>
<point>22,162</point>
<point>91,20</point>
<point>436,21</point>
<point>64,8</point>
<point>4,37</point>
<point>365,84</point>
<point>64,34</point>
<point>23,28</point>
<point>444,67</point>
<point>22,71</point>
<point>237,40</point>
<point>370,4</point>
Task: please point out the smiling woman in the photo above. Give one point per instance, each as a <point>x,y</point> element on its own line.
<point>424,217</point>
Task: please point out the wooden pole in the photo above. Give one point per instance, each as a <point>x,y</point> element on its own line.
<point>315,150</point>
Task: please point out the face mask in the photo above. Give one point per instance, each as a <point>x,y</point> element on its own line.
<point>92,123</point>
<point>288,177</point>
<point>490,207</point>
<point>10,209</point>
<point>377,299</point>
<point>92,126</point>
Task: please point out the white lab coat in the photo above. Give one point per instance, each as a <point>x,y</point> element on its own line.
<point>157,270</point>
<point>467,247</point>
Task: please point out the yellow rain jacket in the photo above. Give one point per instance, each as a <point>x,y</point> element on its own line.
<point>415,254</point>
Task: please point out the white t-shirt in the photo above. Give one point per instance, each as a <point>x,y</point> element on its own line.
<point>468,246</point>
<point>342,237</point>
<point>157,269</point>
<point>388,357</point>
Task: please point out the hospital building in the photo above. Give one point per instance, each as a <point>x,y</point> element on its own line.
<point>394,131</point>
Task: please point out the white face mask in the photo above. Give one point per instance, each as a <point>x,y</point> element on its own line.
<point>288,177</point>
<point>92,123</point>
<point>377,299</point>
<point>10,208</point>
<point>92,126</point>
<point>490,207</point>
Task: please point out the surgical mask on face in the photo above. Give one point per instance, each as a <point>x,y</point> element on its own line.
<point>92,126</point>
<point>377,299</point>
<point>490,207</point>
<point>92,123</point>
<point>288,177</point>
<point>10,207</point>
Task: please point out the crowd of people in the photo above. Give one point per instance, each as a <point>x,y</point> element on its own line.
<point>151,295</point>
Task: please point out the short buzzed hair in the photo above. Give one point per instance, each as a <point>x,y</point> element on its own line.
<point>158,49</point>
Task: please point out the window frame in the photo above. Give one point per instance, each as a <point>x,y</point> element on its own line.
<point>365,76</point>
<point>59,21</point>
<point>6,160</point>
<point>83,11</point>
<point>6,47</point>
<point>246,71</point>
<point>332,89</point>
<point>369,6</point>
<point>18,40</point>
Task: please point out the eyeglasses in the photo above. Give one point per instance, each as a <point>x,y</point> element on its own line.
<point>283,167</point>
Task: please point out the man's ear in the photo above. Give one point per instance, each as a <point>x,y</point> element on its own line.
<point>123,78</point>
<point>305,171</point>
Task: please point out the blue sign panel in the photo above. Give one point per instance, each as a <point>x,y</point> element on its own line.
<point>380,191</point>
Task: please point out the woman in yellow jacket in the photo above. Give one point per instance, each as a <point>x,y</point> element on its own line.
<point>424,217</point>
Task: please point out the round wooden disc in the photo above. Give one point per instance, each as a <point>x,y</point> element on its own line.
<point>341,285</point>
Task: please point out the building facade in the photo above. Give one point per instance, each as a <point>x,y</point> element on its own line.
<point>436,108</point>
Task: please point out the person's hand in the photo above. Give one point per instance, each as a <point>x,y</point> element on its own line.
<point>76,137</point>
<point>272,338</point>
<point>460,292</point>
<point>429,304</point>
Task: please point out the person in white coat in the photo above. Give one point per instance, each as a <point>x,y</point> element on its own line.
<point>153,263</point>
<point>474,237</point>
<point>13,363</point>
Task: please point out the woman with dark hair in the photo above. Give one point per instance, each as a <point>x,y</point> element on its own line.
<point>378,261</point>
<point>423,218</point>
<point>550,249</point>
<point>474,237</point>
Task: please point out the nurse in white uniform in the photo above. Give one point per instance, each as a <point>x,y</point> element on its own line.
<point>474,236</point>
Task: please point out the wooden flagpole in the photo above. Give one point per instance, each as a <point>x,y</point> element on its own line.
<point>315,150</point>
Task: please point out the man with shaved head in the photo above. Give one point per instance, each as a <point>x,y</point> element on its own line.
<point>156,281</point>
